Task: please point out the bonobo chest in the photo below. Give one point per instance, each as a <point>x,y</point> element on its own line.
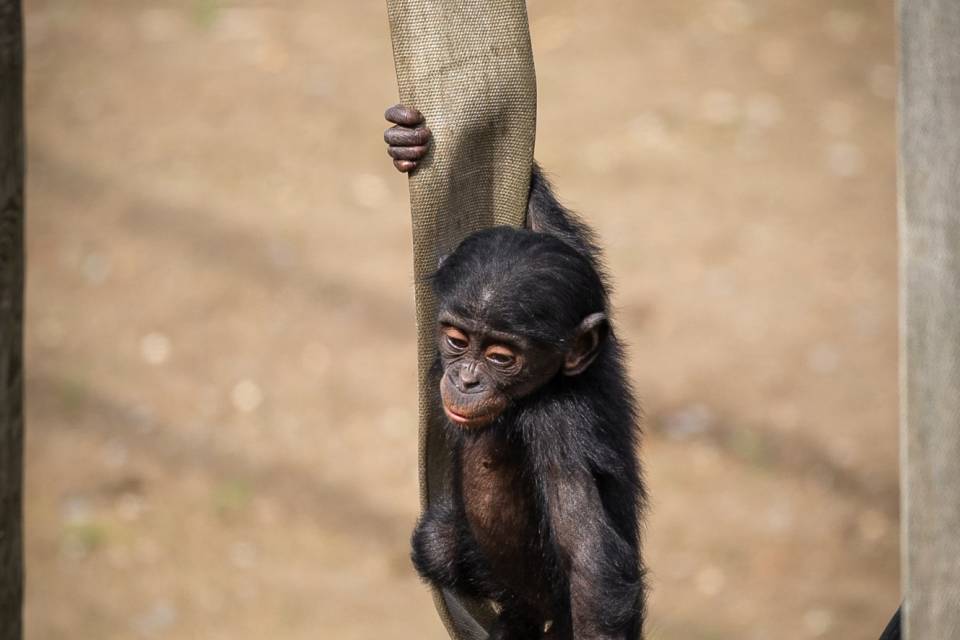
<point>499,502</point>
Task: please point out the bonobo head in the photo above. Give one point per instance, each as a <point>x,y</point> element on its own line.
<point>516,309</point>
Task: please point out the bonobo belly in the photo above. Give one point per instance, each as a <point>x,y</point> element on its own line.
<point>502,512</point>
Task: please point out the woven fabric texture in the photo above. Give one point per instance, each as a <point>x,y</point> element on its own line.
<point>930,316</point>
<point>468,67</point>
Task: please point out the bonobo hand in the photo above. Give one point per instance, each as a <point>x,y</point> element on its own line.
<point>408,141</point>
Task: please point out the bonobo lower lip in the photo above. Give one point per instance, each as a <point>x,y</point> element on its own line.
<point>459,418</point>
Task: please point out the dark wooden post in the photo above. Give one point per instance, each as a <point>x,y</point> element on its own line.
<point>930,315</point>
<point>11,320</point>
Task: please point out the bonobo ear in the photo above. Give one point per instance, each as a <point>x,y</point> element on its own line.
<point>586,344</point>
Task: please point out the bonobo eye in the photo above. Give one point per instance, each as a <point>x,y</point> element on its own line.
<point>500,356</point>
<point>455,338</point>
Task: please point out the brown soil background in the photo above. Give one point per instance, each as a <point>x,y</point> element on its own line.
<point>220,343</point>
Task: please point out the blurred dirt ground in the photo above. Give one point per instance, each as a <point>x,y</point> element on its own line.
<point>221,395</point>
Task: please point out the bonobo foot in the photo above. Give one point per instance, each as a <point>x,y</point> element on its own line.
<point>408,141</point>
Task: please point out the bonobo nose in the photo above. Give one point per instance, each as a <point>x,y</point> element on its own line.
<point>468,378</point>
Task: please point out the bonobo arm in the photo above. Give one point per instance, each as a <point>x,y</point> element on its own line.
<point>408,142</point>
<point>604,570</point>
<point>546,215</point>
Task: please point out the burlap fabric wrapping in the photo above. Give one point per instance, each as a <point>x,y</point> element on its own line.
<point>468,67</point>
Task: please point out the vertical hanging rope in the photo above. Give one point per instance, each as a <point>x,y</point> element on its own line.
<point>468,67</point>
<point>930,316</point>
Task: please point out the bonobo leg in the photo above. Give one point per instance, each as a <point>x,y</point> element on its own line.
<point>408,142</point>
<point>447,556</point>
<point>516,623</point>
<point>560,628</point>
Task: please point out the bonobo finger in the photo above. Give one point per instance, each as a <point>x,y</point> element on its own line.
<point>406,116</point>
<point>407,153</point>
<point>406,137</point>
<point>405,166</point>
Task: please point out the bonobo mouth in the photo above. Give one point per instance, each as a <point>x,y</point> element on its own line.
<point>468,421</point>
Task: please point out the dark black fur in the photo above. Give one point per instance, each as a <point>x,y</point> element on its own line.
<point>574,440</point>
<point>892,630</point>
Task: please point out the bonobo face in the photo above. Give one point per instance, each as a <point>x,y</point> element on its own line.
<point>516,308</point>
<point>484,370</point>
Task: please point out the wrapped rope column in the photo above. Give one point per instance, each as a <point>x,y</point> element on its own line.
<point>468,67</point>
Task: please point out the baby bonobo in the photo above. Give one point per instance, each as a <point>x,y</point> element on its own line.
<point>542,426</point>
